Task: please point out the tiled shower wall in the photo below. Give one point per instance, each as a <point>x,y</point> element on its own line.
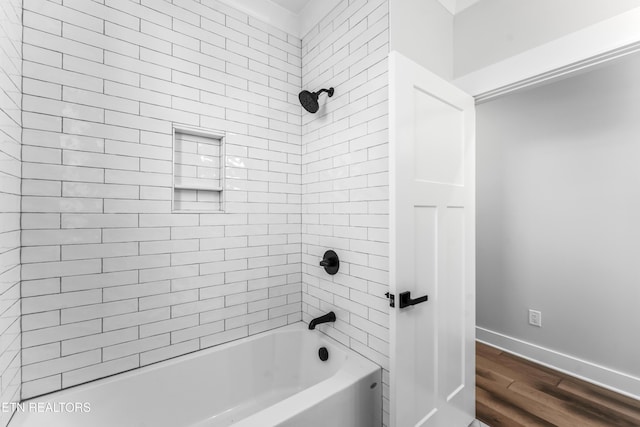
<point>10,136</point>
<point>345,177</point>
<point>112,280</point>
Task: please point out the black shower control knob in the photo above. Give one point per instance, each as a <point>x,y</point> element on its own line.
<point>330,262</point>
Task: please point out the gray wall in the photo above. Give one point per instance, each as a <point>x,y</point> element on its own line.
<point>422,30</point>
<point>493,30</point>
<point>558,209</point>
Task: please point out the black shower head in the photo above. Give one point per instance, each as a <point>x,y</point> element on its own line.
<point>309,100</point>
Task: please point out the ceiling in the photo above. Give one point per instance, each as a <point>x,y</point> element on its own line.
<point>457,6</point>
<point>298,17</point>
<point>453,6</point>
<point>294,6</point>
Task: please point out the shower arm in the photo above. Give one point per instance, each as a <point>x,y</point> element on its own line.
<point>329,92</point>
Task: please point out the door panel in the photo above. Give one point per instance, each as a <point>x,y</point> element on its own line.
<point>438,159</point>
<point>451,302</point>
<point>425,337</point>
<point>432,248</point>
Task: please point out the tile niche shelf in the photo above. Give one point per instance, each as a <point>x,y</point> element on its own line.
<point>198,170</point>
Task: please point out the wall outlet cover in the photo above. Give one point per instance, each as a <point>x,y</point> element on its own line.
<point>535,318</point>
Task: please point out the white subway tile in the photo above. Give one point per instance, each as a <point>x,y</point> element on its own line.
<point>40,287</point>
<point>103,369</point>
<point>135,318</point>
<point>153,96</point>
<point>41,386</point>
<point>75,221</point>
<point>164,353</point>
<point>41,122</point>
<point>40,320</point>
<point>97,311</point>
<point>42,22</point>
<point>53,43</point>
<point>137,178</point>
<point>58,204</point>
<point>127,77</point>
<point>169,325</point>
<point>168,246</point>
<point>197,331</point>
<point>60,268</point>
<point>39,353</point>
<point>137,150</point>
<point>111,191</point>
<point>134,8</point>
<point>39,254</point>
<point>223,337</point>
<point>49,237</point>
<point>136,123</point>
<point>135,347</point>
<point>170,299</point>
<point>165,33</point>
<point>59,333</point>
<point>99,100</point>
<point>136,206</point>
<point>200,306</point>
<point>105,339</point>
<point>64,14</point>
<point>64,141</point>
<point>63,77</point>
<point>56,366</point>
<point>42,89</point>
<point>102,250</point>
<point>99,40</point>
<point>135,234</point>
<point>134,262</point>
<point>98,281</point>
<point>99,130</point>
<point>172,62</point>
<point>174,272</point>
<point>135,291</point>
<point>58,301</point>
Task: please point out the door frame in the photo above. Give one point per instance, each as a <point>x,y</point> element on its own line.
<point>597,44</point>
<point>607,40</point>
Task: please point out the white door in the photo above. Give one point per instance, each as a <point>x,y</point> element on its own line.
<point>432,235</point>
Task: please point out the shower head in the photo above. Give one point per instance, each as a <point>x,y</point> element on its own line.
<point>309,100</point>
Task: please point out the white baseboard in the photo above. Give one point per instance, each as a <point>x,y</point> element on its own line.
<point>602,376</point>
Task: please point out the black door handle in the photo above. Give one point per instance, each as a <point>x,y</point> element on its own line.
<point>406,301</point>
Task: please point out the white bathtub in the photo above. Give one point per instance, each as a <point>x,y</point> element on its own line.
<point>272,379</point>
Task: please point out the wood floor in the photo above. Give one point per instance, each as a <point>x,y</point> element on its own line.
<point>513,392</point>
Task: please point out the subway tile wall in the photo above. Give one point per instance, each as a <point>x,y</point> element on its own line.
<point>345,177</point>
<point>10,170</point>
<point>112,280</point>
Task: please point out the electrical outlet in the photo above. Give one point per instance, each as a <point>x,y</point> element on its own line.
<point>535,318</point>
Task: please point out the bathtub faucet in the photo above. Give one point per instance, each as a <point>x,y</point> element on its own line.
<point>329,317</point>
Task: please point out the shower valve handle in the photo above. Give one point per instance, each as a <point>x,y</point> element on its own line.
<point>330,262</point>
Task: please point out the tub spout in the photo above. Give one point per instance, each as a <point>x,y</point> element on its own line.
<point>329,317</point>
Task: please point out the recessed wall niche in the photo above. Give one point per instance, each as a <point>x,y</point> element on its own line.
<point>198,170</point>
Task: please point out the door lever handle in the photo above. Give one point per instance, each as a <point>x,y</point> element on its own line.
<point>406,301</point>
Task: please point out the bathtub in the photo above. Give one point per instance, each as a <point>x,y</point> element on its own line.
<point>275,378</point>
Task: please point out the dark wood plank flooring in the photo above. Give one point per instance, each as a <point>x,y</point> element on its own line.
<point>513,392</point>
